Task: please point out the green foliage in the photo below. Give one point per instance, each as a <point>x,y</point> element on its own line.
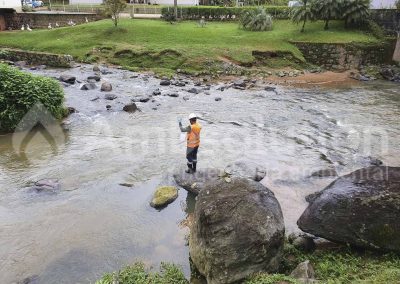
<point>114,8</point>
<point>20,91</point>
<point>26,8</point>
<point>271,279</point>
<point>398,4</point>
<point>347,265</point>
<point>328,10</point>
<point>221,13</point>
<point>355,11</point>
<point>137,274</point>
<point>256,20</point>
<point>303,13</point>
<point>375,30</point>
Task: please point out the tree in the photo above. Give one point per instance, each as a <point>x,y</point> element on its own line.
<point>303,13</point>
<point>114,8</point>
<point>355,11</point>
<point>328,10</point>
<point>176,9</point>
<point>256,20</point>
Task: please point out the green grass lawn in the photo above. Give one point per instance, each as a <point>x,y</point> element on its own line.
<point>195,44</point>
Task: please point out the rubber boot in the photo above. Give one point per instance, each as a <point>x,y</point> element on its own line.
<point>189,170</point>
<point>194,166</point>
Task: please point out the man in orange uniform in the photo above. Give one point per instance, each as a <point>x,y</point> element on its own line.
<point>193,142</point>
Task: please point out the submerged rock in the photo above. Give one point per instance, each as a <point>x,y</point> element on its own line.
<point>94,78</point>
<point>46,185</point>
<point>88,86</point>
<point>246,169</point>
<point>237,230</point>
<point>194,183</point>
<point>130,107</point>
<point>106,87</point>
<point>325,173</point>
<point>163,196</point>
<point>110,97</point>
<point>67,79</point>
<point>361,209</point>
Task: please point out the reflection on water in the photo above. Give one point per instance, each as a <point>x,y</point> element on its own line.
<point>95,225</point>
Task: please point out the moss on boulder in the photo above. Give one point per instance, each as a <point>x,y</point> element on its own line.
<point>163,196</point>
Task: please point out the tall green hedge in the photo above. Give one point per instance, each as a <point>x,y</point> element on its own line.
<point>221,13</point>
<point>20,91</point>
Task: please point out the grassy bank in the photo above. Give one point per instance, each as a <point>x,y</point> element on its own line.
<point>155,44</point>
<point>339,265</point>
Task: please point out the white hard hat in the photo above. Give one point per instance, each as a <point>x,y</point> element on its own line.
<point>192,115</point>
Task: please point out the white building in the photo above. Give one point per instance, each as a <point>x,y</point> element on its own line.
<point>383,4</point>
<point>85,2</point>
<point>11,4</point>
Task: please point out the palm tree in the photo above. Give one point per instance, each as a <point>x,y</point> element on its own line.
<point>303,13</point>
<point>328,10</point>
<point>256,20</point>
<point>355,11</point>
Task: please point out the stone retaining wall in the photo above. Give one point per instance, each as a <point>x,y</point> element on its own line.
<point>346,56</point>
<point>36,58</point>
<point>38,20</point>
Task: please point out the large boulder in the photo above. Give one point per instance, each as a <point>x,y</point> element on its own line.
<point>194,183</point>
<point>237,230</point>
<point>246,169</point>
<point>361,209</point>
<point>163,196</point>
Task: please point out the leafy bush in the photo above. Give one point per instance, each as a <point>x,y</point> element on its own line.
<point>256,20</point>
<point>20,91</point>
<point>137,274</point>
<point>375,29</point>
<point>221,13</point>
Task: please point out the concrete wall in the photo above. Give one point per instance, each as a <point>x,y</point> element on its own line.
<point>10,4</point>
<point>41,20</point>
<point>346,56</point>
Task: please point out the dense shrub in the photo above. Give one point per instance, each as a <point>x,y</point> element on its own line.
<point>256,20</point>
<point>20,91</point>
<point>221,13</point>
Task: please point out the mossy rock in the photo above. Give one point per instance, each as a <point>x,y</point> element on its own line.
<point>163,196</point>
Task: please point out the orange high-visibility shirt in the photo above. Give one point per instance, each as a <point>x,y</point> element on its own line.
<point>193,137</point>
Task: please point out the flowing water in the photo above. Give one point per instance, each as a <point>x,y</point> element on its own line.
<point>96,225</point>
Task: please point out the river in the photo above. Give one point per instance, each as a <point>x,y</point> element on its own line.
<point>96,225</point>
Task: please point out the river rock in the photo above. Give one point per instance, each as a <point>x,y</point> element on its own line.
<point>217,99</point>
<point>173,95</point>
<point>194,183</point>
<point>246,169</point>
<point>96,78</point>
<point>96,68</point>
<point>88,86</point>
<point>67,79</point>
<point>304,273</point>
<point>361,209</point>
<point>165,83</point>
<point>331,172</point>
<point>387,73</point>
<point>130,107</point>
<point>46,185</point>
<point>163,196</point>
<point>71,110</point>
<point>239,83</point>
<point>20,63</point>
<point>270,89</point>
<point>193,91</point>
<point>110,97</point>
<point>156,92</point>
<point>302,242</point>
<point>237,230</point>
<point>106,87</point>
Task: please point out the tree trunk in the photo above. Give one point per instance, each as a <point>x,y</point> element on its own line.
<point>176,9</point>
<point>304,24</point>
<point>326,24</point>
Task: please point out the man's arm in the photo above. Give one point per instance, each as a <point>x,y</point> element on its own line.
<point>184,129</point>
